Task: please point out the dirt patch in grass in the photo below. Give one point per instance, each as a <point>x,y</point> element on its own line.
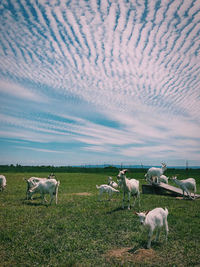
<point>179,197</point>
<point>129,254</point>
<point>81,194</point>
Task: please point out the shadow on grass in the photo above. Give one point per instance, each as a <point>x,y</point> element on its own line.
<point>114,210</point>
<point>26,202</point>
<point>140,245</point>
<point>35,198</point>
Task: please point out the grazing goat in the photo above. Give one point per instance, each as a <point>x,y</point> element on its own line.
<point>49,186</point>
<point>155,172</point>
<point>2,182</point>
<point>131,187</point>
<point>187,185</point>
<point>33,181</point>
<point>154,220</point>
<point>104,188</point>
<point>112,183</point>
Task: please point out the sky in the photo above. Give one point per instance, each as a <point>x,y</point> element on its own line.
<point>100,82</point>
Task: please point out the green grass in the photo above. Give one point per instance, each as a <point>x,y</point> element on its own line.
<point>80,231</point>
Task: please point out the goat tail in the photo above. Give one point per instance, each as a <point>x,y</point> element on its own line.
<point>57,185</point>
<point>166,211</point>
<point>195,188</point>
<point>97,186</point>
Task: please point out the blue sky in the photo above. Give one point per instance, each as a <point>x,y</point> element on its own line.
<point>99,82</point>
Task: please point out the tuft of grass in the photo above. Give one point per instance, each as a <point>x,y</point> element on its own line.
<point>81,231</point>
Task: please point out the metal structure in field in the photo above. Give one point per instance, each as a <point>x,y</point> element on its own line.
<point>164,189</point>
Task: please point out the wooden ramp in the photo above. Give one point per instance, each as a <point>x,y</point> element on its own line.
<point>164,189</point>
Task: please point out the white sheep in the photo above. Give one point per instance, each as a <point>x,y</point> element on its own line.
<point>163,179</point>
<point>49,186</point>
<point>2,182</point>
<point>155,172</point>
<point>154,220</point>
<point>186,185</point>
<point>104,188</point>
<point>131,187</point>
<point>112,183</point>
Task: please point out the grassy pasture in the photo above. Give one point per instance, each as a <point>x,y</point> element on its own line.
<point>80,231</point>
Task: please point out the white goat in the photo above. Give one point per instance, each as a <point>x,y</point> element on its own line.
<point>164,179</point>
<point>104,188</point>
<point>33,181</point>
<point>49,186</point>
<point>51,176</point>
<point>120,184</point>
<point>2,182</point>
<point>186,185</point>
<point>155,172</point>
<point>112,183</point>
<point>154,220</point>
<point>131,187</point>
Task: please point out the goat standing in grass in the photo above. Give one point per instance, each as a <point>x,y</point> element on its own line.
<point>154,220</point>
<point>186,185</point>
<point>104,188</point>
<point>45,186</point>
<point>131,187</point>
<point>2,182</point>
<point>31,182</point>
<point>155,172</point>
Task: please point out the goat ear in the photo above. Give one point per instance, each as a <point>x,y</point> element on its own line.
<point>147,212</point>
<point>136,213</point>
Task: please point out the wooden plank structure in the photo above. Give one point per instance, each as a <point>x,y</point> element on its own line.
<point>164,189</point>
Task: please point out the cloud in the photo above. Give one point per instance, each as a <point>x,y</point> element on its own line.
<point>104,76</point>
<point>15,90</point>
<point>41,150</point>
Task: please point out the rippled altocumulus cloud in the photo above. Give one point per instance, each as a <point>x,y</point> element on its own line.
<point>100,81</point>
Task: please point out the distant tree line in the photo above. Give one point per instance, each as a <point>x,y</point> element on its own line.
<point>54,169</point>
<point>74,169</point>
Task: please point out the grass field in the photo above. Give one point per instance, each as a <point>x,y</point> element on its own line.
<point>80,231</point>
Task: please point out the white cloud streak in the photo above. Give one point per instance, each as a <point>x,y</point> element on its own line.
<point>13,89</point>
<point>137,64</point>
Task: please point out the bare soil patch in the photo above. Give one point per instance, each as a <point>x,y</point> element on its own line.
<point>128,254</point>
<point>179,197</point>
